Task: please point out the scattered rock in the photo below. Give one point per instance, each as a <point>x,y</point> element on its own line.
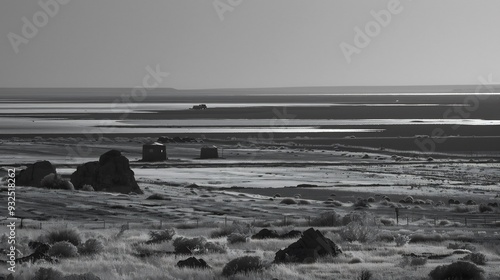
<point>308,248</point>
<point>193,262</point>
<point>34,173</point>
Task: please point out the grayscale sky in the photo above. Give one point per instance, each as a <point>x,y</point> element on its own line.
<point>260,43</point>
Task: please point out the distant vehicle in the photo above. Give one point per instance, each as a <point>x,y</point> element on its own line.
<point>200,107</point>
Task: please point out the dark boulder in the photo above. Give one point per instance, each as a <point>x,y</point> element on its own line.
<point>308,248</point>
<point>193,262</point>
<point>111,173</point>
<point>266,234</point>
<point>34,173</point>
<point>85,175</point>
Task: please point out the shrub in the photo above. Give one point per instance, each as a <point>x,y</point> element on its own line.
<point>412,261</point>
<point>408,199</point>
<point>71,235</point>
<point>327,219</point>
<point>371,199</point>
<point>88,188</point>
<point>385,236</point>
<point>461,246</point>
<point>356,231</point>
<point>361,203</point>
<point>355,260</point>
<point>243,264</point>
<point>418,261</point>
<point>457,270</point>
<point>214,247</point>
<point>422,237</point>
<point>444,223</point>
<point>235,227</point>
<point>91,247</point>
<point>63,249</point>
<point>462,209</point>
<point>160,236</point>
<point>387,222</point>
<point>304,202</point>
<point>365,275</point>
<point>401,240</point>
<point>47,274</point>
<point>477,258</point>
<point>55,181</point>
<point>485,208</point>
<point>200,245</point>
<point>288,201</point>
<point>234,238</point>
<point>470,202</point>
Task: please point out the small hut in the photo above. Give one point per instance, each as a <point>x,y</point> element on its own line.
<point>209,152</point>
<point>154,152</point>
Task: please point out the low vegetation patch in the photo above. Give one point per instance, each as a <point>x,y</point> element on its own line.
<point>197,245</point>
<point>457,270</point>
<point>288,201</point>
<point>477,258</point>
<point>234,238</point>
<point>55,181</point>
<point>67,234</point>
<point>401,240</point>
<point>244,264</point>
<point>235,227</point>
<point>63,249</point>
<point>91,247</point>
<point>160,236</point>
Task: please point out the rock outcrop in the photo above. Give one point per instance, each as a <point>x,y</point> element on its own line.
<point>111,173</point>
<point>85,175</point>
<point>34,173</point>
<point>308,248</point>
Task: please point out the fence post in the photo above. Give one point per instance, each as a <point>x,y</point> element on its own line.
<point>225,221</point>
<point>197,223</point>
<point>407,220</point>
<point>104,224</point>
<point>40,225</point>
<point>309,221</point>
